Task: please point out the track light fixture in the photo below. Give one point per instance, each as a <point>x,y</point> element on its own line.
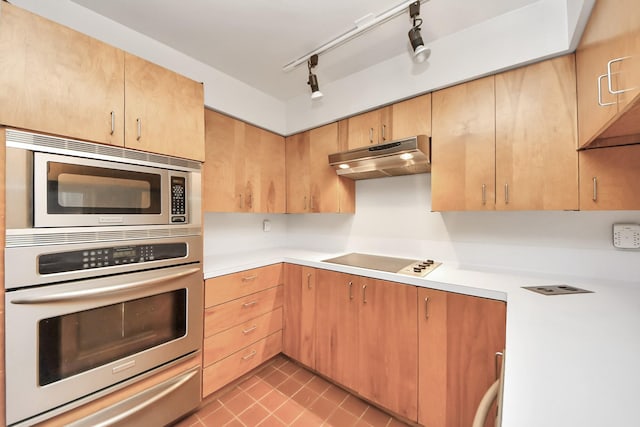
<point>313,79</point>
<point>420,52</point>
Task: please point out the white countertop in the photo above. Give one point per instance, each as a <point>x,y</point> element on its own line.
<point>571,360</point>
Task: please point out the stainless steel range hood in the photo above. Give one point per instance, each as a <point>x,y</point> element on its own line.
<point>401,157</point>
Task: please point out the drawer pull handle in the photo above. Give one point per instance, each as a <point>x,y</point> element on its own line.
<point>139,129</point>
<point>113,122</point>
<point>250,303</point>
<point>350,290</point>
<point>249,330</point>
<point>250,355</point>
<point>364,294</point>
<point>308,280</point>
<point>249,278</point>
<point>426,308</point>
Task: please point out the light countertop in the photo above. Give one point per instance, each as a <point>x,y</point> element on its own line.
<point>571,360</point>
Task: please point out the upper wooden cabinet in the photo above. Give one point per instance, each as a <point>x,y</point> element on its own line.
<point>313,185</point>
<point>608,75</point>
<point>244,167</point>
<point>372,127</point>
<point>164,110</point>
<point>59,81</point>
<point>411,117</point>
<point>610,178</point>
<point>536,163</point>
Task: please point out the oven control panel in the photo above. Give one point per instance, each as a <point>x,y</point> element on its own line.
<point>61,262</point>
<point>178,199</point>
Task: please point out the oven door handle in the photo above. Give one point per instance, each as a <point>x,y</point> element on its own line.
<point>105,291</point>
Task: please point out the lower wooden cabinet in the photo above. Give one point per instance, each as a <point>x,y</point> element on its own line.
<point>242,324</point>
<point>298,340</point>
<point>459,336</point>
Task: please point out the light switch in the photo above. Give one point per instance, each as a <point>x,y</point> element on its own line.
<point>626,236</point>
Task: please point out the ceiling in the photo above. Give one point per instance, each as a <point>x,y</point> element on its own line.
<point>252,40</point>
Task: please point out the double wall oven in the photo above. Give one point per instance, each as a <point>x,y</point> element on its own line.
<point>103,279</point>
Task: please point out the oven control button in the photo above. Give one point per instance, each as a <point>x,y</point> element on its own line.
<point>85,265</point>
<point>92,265</point>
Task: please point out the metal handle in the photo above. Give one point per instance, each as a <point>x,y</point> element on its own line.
<point>305,203</point>
<point>364,294</point>
<point>241,201</point>
<point>506,194</point>
<point>595,188</point>
<point>249,200</point>
<point>484,194</point>
<point>249,278</point>
<point>139,128</point>
<point>384,131</point>
<point>250,355</point>
<point>311,204</point>
<point>350,290</point>
<point>113,122</point>
<point>600,103</point>
<point>426,308</point>
<point>250,303</point>
<point>371,135</point>
<point>498,363</point>
<point>613,61</point>
<point>308,280</point>
<point>105,291</point>
<point>249,330</point>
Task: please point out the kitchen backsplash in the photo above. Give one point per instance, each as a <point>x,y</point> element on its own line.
<point>393,217</point>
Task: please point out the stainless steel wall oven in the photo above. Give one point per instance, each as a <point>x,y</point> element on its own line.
<point>103,277</point>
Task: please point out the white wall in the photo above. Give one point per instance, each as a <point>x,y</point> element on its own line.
<point>393,217</point>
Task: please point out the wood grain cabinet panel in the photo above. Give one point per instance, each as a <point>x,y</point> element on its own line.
<point>411,117</point>
<point>372,127</point>
<point>225,288</point>
<point>299,336</point>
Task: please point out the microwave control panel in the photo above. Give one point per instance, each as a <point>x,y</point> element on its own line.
<point>62,262</point>
<point>178,199</point>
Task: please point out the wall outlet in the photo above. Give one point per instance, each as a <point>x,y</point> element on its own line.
<point>626,236</point>
<point>266,225</point>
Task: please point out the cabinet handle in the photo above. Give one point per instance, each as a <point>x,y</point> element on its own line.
<point>249,201</point>
<point>311,204</point>
<point>498,362</point>
<point>613,61</point>
<point>249,330</point>
<point>484,194</point>
<point>426,308</point>
<point>308,280</point>
<point>248,278</point>
<point>384,131</point>
<point>371,135</point>
<point>364,294</point>
<point>305,203</point>
<point>350,290</point>
<point>600,103</point>
<point>113,122</point>
<point>241,201</point>
<point>506,194</point>
<point>250,303</point>
<point>250,355</point>
<point>595,188</point>
<point>139,128</point>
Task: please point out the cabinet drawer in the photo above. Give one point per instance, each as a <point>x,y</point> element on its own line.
<point>221,345</point>
<point>225,288</point>
<point>223,372</point>
<point>224,316</point>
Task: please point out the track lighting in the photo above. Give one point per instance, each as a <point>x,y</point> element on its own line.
<point>420,52</point>
<point>313,79</point>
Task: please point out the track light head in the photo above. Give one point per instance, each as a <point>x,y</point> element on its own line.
<point>313,79</point>
<point>420,52</point>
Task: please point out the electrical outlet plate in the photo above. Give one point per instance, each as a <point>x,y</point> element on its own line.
<point>626,236</point>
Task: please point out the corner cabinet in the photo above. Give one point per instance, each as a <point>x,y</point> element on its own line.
<point>299,331</point>
<point>313,185</point>
<point>244,167</point>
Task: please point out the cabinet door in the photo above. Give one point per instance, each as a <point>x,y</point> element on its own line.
<point>463,169</point>
<point>271,164</point>
<point>388,331</point>
<point>373,127</point>
<point>324,189</point>
<point>337,354</point>
<point>298,341</point>
<point>224,168</point>
<point>536,158</point>
<point>411,117</point>
<point>297,158</point>
<point>610,178</point>
<point>164,110</point>
<point>59,81</point>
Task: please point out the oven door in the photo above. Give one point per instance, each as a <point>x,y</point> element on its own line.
<point>70,340</point>
<point>74,191</point>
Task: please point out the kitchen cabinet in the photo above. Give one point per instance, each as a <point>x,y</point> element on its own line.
<point>299,338</point>
<point>608,75</point>
<point>411,117</point>
<point>242,324</point>
<point>313,185</point>
<point>164,111</point>
<point>536,163</point>
<point>459,336</point>
<point>354,315</point>
<point>59,81</point>
<point>244,167</point>
<point>610,178</point>
<point>372,127</point>
<point>463,147</point>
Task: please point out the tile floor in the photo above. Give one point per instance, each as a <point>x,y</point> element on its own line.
<point>284,394</point>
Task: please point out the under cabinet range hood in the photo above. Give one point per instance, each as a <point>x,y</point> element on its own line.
<point>400,157</point>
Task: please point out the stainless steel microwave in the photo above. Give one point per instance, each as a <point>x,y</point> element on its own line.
<point>58,182</point>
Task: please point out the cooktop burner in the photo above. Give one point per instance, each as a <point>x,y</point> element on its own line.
<point>409,267</point>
